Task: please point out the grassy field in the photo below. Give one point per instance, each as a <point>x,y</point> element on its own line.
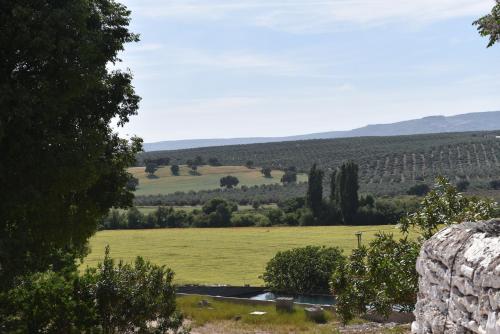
<point>230,317</point>
<point>166,183</point>
<point>220,315</point>
<point>235,256</point>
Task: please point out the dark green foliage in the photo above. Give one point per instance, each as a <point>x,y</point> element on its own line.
<point>420,189</point>
<point>384,211</point>
<point>489,25</point>
<point>302,270</point>
<point>215,213</point>
<point>346,194</point>
<point>266,171</point>
<point>108,299</point>
<point>132,184</point>
<point>135,218</point>
<point>214,162</point>
<point>379,211</point>
<point>381,276</point>
<point>333,186</point>
<point>168,217</point>
<point>151,168</point>
<point>349,286</point>
<point>368,201</point>
<point>387,165</point>
<point>314,195</point>
<point>462,185</point>
<point>249,164</point>
<point>246,220</point>
<point>115,221</point>
<point>194,169</point>
<point>229,181</point>
<point>307,218</point>
<point>129,296</point>
<point>174,169</point>
<point>444,205</point>
<point>44,302</point>
<point>275,216</point>
<point>163,217</point>
<point>62,167</point>
<point>291,219</point>
<point>292,204</point>
<point>198,161</point>
<point>495,184</point>
<point>212,205</point>
<point>290,176</point>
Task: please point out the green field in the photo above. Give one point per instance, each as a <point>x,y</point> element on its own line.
<point>166,183</point>
<point>233,256</point>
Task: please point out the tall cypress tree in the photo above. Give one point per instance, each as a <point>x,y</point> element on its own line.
<point>333,186</point>
<point>315,190</point>
<point>346,194</point>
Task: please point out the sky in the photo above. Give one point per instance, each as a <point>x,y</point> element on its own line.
<point>265,68</point>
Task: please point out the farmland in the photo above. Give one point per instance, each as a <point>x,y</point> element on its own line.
<point>163,182</point>
<point>237,256</point>
<point>387,164</point>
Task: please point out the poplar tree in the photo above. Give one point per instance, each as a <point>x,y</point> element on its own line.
<point>314,197</point>
<point>346,194</point>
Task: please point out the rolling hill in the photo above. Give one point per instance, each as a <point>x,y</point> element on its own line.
<point>481,121</point>
<point>386,163</point>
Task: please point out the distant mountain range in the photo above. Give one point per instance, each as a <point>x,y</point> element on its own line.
<point>480,121</point>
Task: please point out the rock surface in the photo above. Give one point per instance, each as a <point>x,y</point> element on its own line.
<point>459,284</point>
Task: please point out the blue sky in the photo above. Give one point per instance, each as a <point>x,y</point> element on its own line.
<point>241,68</point>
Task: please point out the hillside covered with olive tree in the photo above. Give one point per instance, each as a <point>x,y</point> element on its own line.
<point>386,164</point>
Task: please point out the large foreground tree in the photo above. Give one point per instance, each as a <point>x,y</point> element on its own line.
<point>61,164</point>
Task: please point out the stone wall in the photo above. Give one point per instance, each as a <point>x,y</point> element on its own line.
<point>459,284</point>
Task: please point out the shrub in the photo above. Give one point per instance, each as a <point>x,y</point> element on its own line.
<point>244,220</point>
<point>122,298</point>
<point>135,219</point>
<point>130,297</point>
<point>495,184</point>
<point>213,204</point>
<point>229,181</point>
<point>420,189</point>
<point>174,169</point>
<point>291,219</point>
<point>293,204</point>
<point>275,216</point>
<point>266,171</point>
<point>463,185</point>
<point>43,302</point>
<point>303,270</point>
<point>381,276</point>
<point>307,218</point>
<point>214,162</point>
<point>444,205</point>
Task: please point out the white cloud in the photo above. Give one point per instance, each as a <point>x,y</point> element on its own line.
<point>311,15</point>
<point>234,60</point>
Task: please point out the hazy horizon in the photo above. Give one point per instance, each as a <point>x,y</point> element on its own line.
<point>219,69</point>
